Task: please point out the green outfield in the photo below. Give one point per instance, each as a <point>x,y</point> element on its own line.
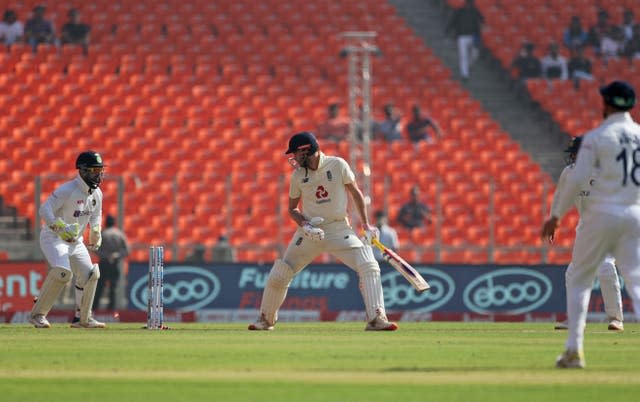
<point>431,361</point>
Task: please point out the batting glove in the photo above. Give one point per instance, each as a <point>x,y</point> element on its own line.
<point>312,233</point>
<point>95,238</point>
<point>370,233</point>
<point>67,232</point>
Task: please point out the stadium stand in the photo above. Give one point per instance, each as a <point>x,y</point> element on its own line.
<point>206,93</point>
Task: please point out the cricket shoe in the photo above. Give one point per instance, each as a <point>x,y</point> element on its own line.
<point>615,325</point>
<point>380,323</point>
<point>562,325</point>
<point>91,323</point>
<point>39,321</point>
<point>570,359</point>
<point>261,325</point>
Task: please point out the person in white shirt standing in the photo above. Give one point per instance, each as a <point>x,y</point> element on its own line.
<point>322,184</point>
<point>611,220</point>
<point>388,236</point>
<point>66,213</point>
<point>11,30</point>
<point>607,274</point>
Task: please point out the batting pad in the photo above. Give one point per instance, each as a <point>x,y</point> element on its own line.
<point>371,288</point>
<point>89,293</point>
<point>56,280</point>
<point>276,290</point>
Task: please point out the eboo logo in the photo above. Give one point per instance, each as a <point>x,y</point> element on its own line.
<point>184,288</point>
<point>399,294</point>
<point>507,291</point>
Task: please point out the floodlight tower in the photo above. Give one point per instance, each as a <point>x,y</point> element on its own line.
<point>359,47</point>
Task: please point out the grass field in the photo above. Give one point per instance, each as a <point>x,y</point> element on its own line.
<point>431,361</point>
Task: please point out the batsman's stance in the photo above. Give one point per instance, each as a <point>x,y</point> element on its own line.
<point>321,183</point>
<point>66,213</point>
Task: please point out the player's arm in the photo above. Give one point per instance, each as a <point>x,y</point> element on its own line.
<point>358,201</point>
<point>53,203</point>
<point>295,213</point>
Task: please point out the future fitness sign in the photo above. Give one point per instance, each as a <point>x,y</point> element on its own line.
<point>329,291</point>
<point>454,289</point>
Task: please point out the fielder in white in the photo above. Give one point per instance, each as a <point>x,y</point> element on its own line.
<point>607,274</point>
<point>66,213</point>
<point>610,222</point>
<point>322,185</point>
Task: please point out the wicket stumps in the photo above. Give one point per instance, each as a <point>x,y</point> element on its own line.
<point>155,306</point>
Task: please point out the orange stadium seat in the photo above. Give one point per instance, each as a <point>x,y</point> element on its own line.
<point>187,100</point>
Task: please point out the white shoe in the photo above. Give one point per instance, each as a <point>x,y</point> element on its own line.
<point>570,359</point>
<point>39,321</point>
<point>380,323</point>
<point>562,325</point>
<point>616,325</point>
<point>91,323</point>
<point>261,325</point>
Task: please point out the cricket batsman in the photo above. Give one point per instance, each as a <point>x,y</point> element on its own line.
<point>318,192</point>
<point>66,213</point>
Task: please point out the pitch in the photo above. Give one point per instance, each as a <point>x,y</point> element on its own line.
<point>436,361</point>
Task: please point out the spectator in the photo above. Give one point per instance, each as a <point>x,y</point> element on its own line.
<point>579,67</point>
<point>597,31</point>
<point>223,251</point>
<point>197,254</point>
<point>575,36</point>
<point>414,214</point>
<point>628,25</point>
<point>334,128</point>
<point>526,64</point>
<point>11,30</point>
<point>418,127</point>
<point>554,65</point>
<point>632,49</point>
<point>388,235</point>
<point>390,128</point>
<point>74,32</point>
<point>114,249</point>
<point>466,24</point>
<point>612,44</point>
<point>39,30</point>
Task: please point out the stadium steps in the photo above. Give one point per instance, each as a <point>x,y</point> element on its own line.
<point>513,109</point>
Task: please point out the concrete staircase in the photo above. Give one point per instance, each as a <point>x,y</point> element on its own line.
<point>490,84</point>
<point>16,234</point>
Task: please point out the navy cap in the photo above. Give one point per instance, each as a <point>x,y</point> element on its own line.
<point>302,140</point>
<point>619,94</point>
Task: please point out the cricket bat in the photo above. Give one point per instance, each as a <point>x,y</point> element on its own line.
<point>397,262</point>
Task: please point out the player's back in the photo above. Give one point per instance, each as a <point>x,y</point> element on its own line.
<point>616,151</point>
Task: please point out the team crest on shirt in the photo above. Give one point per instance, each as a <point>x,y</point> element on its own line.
<point>322,195</point>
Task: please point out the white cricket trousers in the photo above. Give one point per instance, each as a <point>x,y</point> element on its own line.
<point>615,232</point>
<point>465,49</point>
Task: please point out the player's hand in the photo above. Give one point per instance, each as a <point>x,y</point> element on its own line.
<point>311,232</point>
<point>549,229</point>
<point>95,238</point>
<point>371,232</point>
<point>67,232</point>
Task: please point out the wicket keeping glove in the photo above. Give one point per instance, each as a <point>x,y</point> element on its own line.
<point>67,232</point>
<point>312,233</point>
<point>95,237</point>
<point>370,233</point>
